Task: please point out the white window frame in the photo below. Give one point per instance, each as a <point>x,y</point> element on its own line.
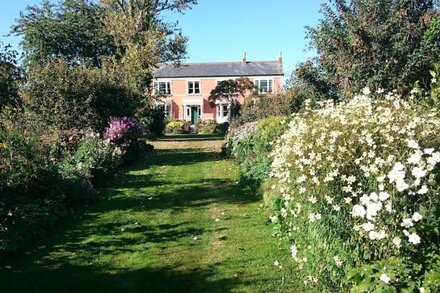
<point>220,111</point>
<point>270,84</point>
<point>156,87</point>
<point>194,87</point>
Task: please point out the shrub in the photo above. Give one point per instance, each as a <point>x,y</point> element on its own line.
<point>176,127</point>
<point>206,126</point>
<point>355,187</point>
<point>55,98</point>
<point>10,74</point>
<point>20,158</point>
<point>155,121</point>
<point>124,132</point>
<point>264,106</point>
<point>93,160</point>
<point>222,128</point>
<point>252,150</point>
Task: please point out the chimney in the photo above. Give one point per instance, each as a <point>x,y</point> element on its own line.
<point>244,58</point>
<point>280,57</point>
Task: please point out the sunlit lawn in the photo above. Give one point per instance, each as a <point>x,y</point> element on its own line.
<point>175,221</point>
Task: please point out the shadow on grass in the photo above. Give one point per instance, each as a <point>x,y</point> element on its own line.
<point>70,278</point>
<point>175,158</point>
<point>65,261</point>
<point>191,137</point>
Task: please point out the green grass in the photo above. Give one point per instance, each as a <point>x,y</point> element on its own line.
<point>175,221</point>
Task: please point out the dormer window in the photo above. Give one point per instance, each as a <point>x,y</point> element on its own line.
<point>193,87</point>
<point>264,86</point>
<point>162,88</point>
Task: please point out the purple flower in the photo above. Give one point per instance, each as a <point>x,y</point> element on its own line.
<point>124,131</point>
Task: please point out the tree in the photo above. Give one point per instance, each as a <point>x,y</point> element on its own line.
<point>141,36</point>
<point>380,44</point>
<point>229,91</point>
<point>72,30</point>
<point>54,99</point>
<point>10,74</point>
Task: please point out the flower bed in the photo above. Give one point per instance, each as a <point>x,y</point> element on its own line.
<point>355,189</point>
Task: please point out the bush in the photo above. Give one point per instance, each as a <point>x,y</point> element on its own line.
<point>155,121</point>
<point>31,196</point>
<point>93,160</point>
<point>40,176</point>
<point>55,98</point>
<point>264,106</point>
<point>124,132</point>
<point>251,146</point>
<point>176,127</point>
<point>21,159</point>
<point>206,126</point>
<point>355,188</point>
<point>222,128</point>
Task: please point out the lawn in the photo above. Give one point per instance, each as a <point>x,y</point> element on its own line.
<point>175,221</point>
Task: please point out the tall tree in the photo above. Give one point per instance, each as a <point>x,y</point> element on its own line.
<point>229,90</point>
<point>143,39</point>
<point>9,76</point>
<point>71,29</point>
<point>379,43</point>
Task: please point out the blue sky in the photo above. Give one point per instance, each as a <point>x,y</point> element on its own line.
<point>221,30</point>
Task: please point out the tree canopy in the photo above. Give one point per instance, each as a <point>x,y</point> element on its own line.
<point>131,34</point>
<point>70,29</point>
<point>380,44</point>
<point>9,75</point>
<point>231,89</point>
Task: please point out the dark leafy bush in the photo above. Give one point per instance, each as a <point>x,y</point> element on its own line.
<point>222,128</point>
<point>264,106</point>
<point>66,97</point>
<point>20,158</point>
<point>10,74</point>
<point>154,119</point>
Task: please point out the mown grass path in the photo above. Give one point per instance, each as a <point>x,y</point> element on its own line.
<point>175,221</point>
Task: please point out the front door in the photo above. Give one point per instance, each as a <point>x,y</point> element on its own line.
<point>194,115</point>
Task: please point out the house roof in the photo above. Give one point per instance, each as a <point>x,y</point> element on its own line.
<point>220,69</point>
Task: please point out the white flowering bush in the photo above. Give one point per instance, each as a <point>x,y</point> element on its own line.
<point>355,186</point>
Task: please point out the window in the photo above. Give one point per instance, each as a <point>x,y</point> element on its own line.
<point>225,111</point>
<point>168,110</point>
<point>264,86</point>
<point>193,87</point>
<point>162,88</point>
<point>222,110</point>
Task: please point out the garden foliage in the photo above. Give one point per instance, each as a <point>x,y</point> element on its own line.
<point>44,174</point>
<point>55,99</point>
<point>355,189</point>
<point>382,44</point>
<point>251,145</point>
<point>206,126</point>
<point>177,127</point>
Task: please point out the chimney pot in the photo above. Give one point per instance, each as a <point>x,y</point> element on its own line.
<point>244,58</point>
<point>280,57</point>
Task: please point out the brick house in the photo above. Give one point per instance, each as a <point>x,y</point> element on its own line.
<point>185,90</point>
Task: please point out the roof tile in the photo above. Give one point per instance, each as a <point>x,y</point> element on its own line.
<point>220,69</point>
